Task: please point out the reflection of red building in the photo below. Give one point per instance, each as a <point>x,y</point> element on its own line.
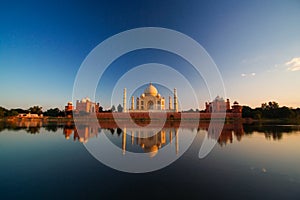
<point>225,137</point>
<point>224,134</point>
<point>68,132</point>
<point>82,133</point>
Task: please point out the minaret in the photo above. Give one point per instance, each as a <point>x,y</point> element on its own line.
<point>124,100</point>
<point>132,103</point>
<point>175,101</point>
<point>227,105</point>
<point>170,103</point>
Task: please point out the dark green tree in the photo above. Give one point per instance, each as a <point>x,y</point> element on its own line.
<point>3,112</point>
<point>12,112</point>
<point>35,110</point>
<point>113,108</point>
<point>247,112</point>
<point>120,108</point>
<point>54,112</point>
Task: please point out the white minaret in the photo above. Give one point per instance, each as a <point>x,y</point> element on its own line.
<point>175,101</point>
<point>132,103</point>
<point>170,103</point>
<point>176,141</point>
<point>124,100</point>
<point>124,141</point>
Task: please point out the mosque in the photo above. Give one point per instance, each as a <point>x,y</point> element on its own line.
<point>150,100</point>
<point>86,105</point>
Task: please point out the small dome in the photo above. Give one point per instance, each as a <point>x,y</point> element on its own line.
<point>151,90</point>
<point>218,98</point>
<point>84,100</point>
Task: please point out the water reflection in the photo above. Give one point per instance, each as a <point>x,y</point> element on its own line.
<point>82,133</point>
<point>147,140</point>
<point>272,131</point>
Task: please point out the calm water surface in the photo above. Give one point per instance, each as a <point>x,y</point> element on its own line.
<point>249,161</point>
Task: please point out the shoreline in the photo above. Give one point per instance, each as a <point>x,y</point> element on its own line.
<point>147,120</point>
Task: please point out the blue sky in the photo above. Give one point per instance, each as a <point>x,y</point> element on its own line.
<point>255,44</point>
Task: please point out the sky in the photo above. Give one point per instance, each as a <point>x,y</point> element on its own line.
<point>254,44</point>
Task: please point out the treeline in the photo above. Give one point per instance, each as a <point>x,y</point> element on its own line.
<point>52,112</point>
<point>271,110</point>
<point>112,109</point>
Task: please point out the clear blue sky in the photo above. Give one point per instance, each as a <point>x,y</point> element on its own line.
<point>255,44</point>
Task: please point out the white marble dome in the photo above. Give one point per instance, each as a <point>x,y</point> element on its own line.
<point>151,90</point>
<point>84,100</point>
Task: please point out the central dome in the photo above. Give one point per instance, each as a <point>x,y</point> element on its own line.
<point>151,90</point>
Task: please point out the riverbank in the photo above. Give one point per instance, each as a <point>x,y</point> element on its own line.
<point>147,117</point>
<point>293,121</point>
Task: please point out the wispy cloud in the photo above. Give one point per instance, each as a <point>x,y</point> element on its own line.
<point>250,74</point>
<point>293,64</point>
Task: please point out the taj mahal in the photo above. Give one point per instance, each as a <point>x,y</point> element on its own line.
<point>150,100</point>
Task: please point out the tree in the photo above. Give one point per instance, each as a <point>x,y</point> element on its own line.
<point>120,108</point>
<point>35,110</point>
<point>273,105</point>
<point>113,108</point>
<point>12,113</point>
<point>54,112</point>
<point>3,112</point>
<point>257,114</point>
<point>285,112</point>
<point>270,105</point>
<point>247,112</point>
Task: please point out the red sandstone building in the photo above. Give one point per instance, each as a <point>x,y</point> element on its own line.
<point>69,107</point>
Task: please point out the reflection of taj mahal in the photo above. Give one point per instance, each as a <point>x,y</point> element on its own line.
<point>150,142</point>
<point>150,100</point>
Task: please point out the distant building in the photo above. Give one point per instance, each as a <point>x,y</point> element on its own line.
<point>29,115</point>
<point>236,108</point>
<point>86,105</point>
<point>69,109</point>
<point>220,105</point>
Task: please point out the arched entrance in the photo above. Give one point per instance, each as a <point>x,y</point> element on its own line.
<point>150,105</point>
